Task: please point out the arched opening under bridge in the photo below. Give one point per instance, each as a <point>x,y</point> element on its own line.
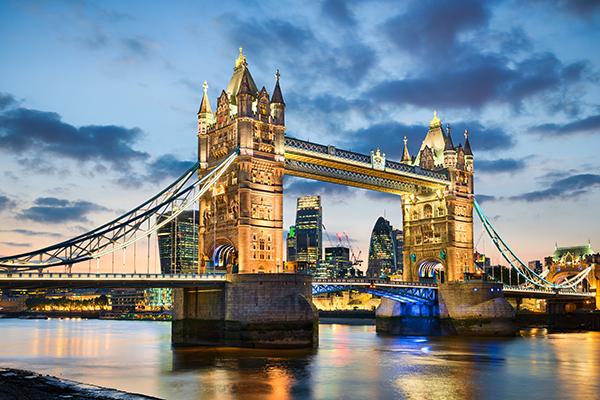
<point>224,258</point>
<point>431,270</point>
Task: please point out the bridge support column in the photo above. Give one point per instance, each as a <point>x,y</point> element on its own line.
<point>476,308</point>
<point>251,310</point>
<point>410,319</point>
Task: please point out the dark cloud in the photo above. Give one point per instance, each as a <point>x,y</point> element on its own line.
<point>6,101</point>
<point>569,187</point>
<point>589,125</point>
<point>53,210</point>
<point>6,203</point>
<point>500,165</point>
<point>338,11</point>
<point>27,232</point>
<point>30,131</point>
<point>300,187</point>
<point>15,244</point>
<point>432,29</point>
<point>167,166</point>
<point>484,198</point>
<point>580,8</point>
<point>298,50</point>
<point>479,81</point>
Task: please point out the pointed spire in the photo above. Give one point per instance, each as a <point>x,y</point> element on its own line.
<point>435,122</point>
<point>405,154</point>
<point>245,85</point>
<point>449,146</point>
<point>205,104</point>
<point>277,96</point>
<point>241,60</point>
<point>468,151</point>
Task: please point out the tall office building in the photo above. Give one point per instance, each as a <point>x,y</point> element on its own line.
<point>309,233</point>
<point>291,244</point>
<point>385,249</point>
<point>337,260</point>
<point>178,244</point>
<point>398,239</point>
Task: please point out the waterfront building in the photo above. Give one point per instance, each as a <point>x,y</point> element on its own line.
<point>127,300</point>
<point>383,249</point>
<point>178,244</point>
<point>398,238</point>
<point>309,233</point>
<point>291,244</point>
<point>158,299</point>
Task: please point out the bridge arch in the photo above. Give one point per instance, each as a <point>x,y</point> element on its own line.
<point>225,257</point>
<point>431,270</point>
<point>561,277</point>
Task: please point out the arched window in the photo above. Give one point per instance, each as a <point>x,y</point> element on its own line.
<point>427,211</point>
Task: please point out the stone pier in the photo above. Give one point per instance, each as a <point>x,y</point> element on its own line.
<point>471,308</point>
<point>251,310</point>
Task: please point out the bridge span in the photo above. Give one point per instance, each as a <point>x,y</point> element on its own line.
<point>408,292</point>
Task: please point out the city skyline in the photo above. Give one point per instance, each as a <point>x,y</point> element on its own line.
<point>534,123</point>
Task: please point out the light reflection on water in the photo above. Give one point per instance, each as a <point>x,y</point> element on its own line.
<point>351,362</point>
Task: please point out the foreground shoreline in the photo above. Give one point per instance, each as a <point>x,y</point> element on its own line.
<point>20,384</point>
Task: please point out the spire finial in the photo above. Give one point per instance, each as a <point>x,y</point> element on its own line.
<point>405,140</point>
<point>435,122</point>
<point>205,87</point>
<point>241,60</point>
<point>466,133</point>
<point>277,75</point>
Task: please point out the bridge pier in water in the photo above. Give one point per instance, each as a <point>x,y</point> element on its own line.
<point>469,308</point>
<point>251,310</point>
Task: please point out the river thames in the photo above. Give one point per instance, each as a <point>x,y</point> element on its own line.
<point>352,362</point>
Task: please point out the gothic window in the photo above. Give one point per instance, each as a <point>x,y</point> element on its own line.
<point>427,211</point>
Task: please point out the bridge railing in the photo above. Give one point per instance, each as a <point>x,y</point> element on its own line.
<point>110,276</point>
<point>368,281</point>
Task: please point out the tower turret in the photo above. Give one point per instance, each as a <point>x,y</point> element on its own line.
<point>263,105</point>
<point>205,114</point>
<point>245,96</point>
<point>468,153</point>
<point>449,150</point>
<point>405,154</point>
<point>277,103</point>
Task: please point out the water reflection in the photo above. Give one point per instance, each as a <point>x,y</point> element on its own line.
<point>352,362</point>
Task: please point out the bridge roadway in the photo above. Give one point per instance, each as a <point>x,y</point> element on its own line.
<point>401,291</point>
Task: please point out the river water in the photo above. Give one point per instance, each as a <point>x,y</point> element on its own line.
<point>352,362</point>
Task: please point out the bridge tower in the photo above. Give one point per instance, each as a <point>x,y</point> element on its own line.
<point>438,225</point>
<point>241,223</point>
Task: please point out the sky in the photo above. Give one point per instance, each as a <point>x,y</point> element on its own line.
<point>98,104</point>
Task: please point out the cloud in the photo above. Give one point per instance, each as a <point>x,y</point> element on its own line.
<point>480,80</point>
<point>297,49</point>
<point>27,232</point>
<point>484,198</point>
<point>589,125</point>
<point>138,47</point>
<point>15,244</point>
<point>6,203</point>
<point>167,166</point>
<point>6,101</point>
<point>430,28</point>
<point>53,210</point>
<point>303,187</point>
<point>580,8</point>
<point>569,187</point>
<point>24,130</point>
<point>338,12</point>
<point>500,165</point>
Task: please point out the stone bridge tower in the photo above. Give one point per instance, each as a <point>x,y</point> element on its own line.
<point>241,221</point>
<point>438,225</point>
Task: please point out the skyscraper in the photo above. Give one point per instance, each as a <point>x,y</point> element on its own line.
<point>178,244</point>
<point>309,233</point>
<point>337,260</point>
<point>385,249</point>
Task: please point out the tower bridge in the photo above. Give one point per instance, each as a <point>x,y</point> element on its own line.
<point>237,184</point>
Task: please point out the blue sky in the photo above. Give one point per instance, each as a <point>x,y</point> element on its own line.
<point>98,104</point>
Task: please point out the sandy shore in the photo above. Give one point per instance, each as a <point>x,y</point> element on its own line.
<point>18,384</point>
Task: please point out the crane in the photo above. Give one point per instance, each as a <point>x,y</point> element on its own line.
<point>355,258</point>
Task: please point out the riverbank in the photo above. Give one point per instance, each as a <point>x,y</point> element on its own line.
<point>19,384</point>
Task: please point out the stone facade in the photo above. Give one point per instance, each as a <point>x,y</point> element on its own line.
<point>438,225</point>
<point>245,210</point>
